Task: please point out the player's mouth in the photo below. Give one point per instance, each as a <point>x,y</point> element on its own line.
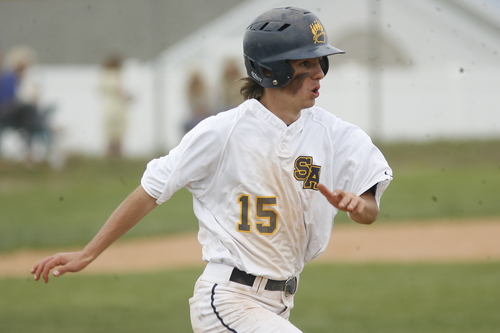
<point>315,91</point>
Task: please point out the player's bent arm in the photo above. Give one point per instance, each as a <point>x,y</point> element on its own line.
<point>137,205</point>
<point>369,213</point>
<point>361,209</point>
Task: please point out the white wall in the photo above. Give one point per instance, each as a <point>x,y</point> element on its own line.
<point>78,116</point>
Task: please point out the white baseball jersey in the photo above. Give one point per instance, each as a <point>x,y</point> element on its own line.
<point>254,184</point>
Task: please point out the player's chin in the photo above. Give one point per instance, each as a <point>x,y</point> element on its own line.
<point>312,97</point>
<point>310,103</point>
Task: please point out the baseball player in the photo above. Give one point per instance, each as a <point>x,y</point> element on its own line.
<point>267,179</point>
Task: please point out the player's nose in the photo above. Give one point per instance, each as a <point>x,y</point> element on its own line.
<point>318,73</point>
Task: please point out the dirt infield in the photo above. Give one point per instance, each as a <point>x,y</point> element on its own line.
<point>438,241</point>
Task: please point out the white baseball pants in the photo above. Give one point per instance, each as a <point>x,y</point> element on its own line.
<point>220,305</point>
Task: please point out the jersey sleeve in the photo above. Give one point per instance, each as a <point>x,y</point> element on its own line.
<point>190,164</point>
<point>359,164</point>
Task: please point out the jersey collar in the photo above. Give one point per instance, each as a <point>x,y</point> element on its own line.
<point>261,112</point>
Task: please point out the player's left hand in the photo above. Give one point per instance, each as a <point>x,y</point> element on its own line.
<point>362,209</point>
<point>340,199</point>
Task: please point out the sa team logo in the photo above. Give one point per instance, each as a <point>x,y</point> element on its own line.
<point>318,32</point>
<point>307,172</point>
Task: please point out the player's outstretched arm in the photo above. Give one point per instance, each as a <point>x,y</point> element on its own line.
<point>137,205</point>
<point>362,209</point>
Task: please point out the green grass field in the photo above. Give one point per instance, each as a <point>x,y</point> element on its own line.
<point>42,208</point>
<point>418,298</point>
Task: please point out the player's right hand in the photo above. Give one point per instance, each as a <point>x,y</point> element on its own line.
<point>68,262</point>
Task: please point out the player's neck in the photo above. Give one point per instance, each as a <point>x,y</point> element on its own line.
<point>280,107</point>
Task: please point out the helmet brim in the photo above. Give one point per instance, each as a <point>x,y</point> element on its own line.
<point>306,53</point>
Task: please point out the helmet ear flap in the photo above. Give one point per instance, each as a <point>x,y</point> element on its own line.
<point>274,74</point>
<point>282,74</point>
<point>254,70</point>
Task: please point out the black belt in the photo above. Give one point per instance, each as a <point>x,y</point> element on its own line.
<point>288,286</point>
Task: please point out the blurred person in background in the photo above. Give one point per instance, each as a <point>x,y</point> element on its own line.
<point>199,103</point>
<point>231,76</point>
<point>19,98</point>
<point>115,105</point>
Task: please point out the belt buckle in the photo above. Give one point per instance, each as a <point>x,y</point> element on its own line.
<point>290,286</point>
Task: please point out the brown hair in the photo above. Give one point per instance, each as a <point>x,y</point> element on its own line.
<point>251,89</point>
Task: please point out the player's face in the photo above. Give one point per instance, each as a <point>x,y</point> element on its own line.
<point>304,87</point>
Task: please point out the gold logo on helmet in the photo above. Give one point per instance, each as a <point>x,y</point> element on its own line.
<point>318,32</point>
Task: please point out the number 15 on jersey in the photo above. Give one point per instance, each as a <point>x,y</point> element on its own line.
<point>262,212</point>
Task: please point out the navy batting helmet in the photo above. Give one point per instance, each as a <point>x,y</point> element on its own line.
<point>282,34</point>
